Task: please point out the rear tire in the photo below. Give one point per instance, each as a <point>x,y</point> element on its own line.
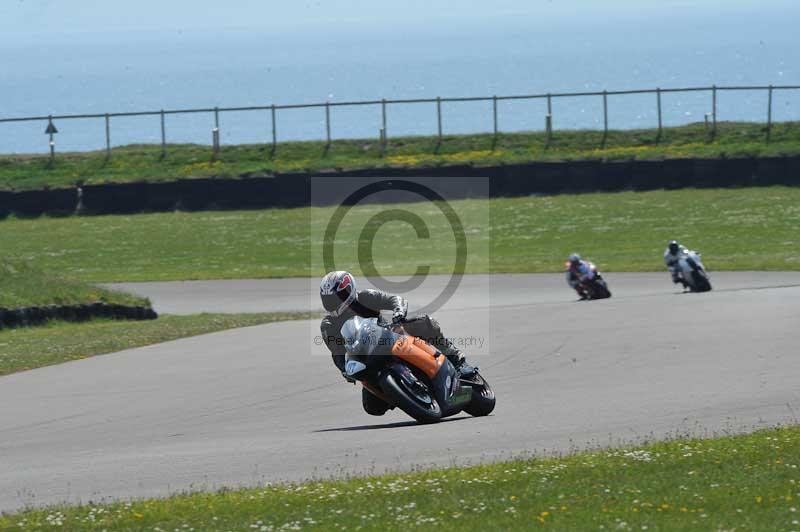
<point>396,393</point>
<point>701,282</point>
<point>600,290</point>
<point>483,399</point>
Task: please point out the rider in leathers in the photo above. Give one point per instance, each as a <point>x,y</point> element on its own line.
<point>342,301</point>
<point>672,255</point>
<point>578,272</point>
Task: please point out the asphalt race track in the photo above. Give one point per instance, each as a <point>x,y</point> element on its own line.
<point>264,403</point>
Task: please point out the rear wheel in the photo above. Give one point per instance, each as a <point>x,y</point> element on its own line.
<point>701,282</point>
<point>599,289</point>
<point>412,398</point>
<point>483,399</point>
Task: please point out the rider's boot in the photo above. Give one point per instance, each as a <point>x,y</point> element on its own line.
<point>457,358</point>
<point>373,405</point>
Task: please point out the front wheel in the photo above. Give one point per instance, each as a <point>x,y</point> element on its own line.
<point>483,400</point>
<point>419,404</point>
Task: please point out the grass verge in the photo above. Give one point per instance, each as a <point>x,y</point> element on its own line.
<point>24,286</point>
<point>745,482</point>
<point>736,229</point>
<point>56,342</point>
<point>144,162</point>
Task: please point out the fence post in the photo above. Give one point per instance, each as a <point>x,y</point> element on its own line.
<point>327,124</point>
<point>163,136</point>
<point>494,114</point>
<point>51,129</point>
<point>549,119</point>
<point>605,115</point>
<point>383,125</point>
<point>658,104</point>
<point>769,113</point>
<point>274,129</point>
<point>108,138</point>
<point>714,110</point>
<point>215,131</point>
<point>439,117</point>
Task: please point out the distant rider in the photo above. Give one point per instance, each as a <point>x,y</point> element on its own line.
<point>342,300</point>
<point>672,255</point>
<point>579,272</point>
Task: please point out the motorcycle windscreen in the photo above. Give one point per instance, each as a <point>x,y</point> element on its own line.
<point>363,337</point>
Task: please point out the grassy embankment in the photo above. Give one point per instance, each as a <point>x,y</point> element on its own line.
<point>745,482</point>
<point>24,286</point>
<point>56,342</point>
<point>736,229</point>
<point>144,162</point>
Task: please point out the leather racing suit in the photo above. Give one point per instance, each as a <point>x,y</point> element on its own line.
<point>368,305</point>
<point>672,263</point>
<point>576,275</point>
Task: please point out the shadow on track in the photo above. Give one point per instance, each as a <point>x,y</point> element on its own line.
<point>396,425</point>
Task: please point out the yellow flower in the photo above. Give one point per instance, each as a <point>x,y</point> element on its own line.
<point>403,159</point>
<point>470,155</point>
<point>759,499</point>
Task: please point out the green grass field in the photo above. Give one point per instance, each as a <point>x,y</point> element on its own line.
<point>746,482</point>
<point>56,342</point>
<point>24,286</point>
<point>144,162</point>
<point>736,229</point>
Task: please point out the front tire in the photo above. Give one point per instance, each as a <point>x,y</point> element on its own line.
<point>483,399</point>
<point>396,392</point>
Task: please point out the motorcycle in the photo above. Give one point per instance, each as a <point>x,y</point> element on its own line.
<point>692,272</point>
<point>410,374</point>
<point>594,288</point>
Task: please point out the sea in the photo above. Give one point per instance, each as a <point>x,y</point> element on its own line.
<point>185,69</point>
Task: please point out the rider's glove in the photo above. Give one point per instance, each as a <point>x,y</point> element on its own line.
<point>399,316</point>
<point>348,378</point>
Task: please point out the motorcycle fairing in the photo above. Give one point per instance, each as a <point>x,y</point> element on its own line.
<point>419,354</point>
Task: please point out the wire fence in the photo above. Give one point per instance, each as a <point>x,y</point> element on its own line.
<point>382,105</point>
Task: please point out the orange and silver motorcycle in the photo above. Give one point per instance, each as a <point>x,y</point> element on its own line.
<point>410,374</point>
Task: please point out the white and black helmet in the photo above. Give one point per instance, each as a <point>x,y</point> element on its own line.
<point>673,247</point>
<point>338,291</point>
